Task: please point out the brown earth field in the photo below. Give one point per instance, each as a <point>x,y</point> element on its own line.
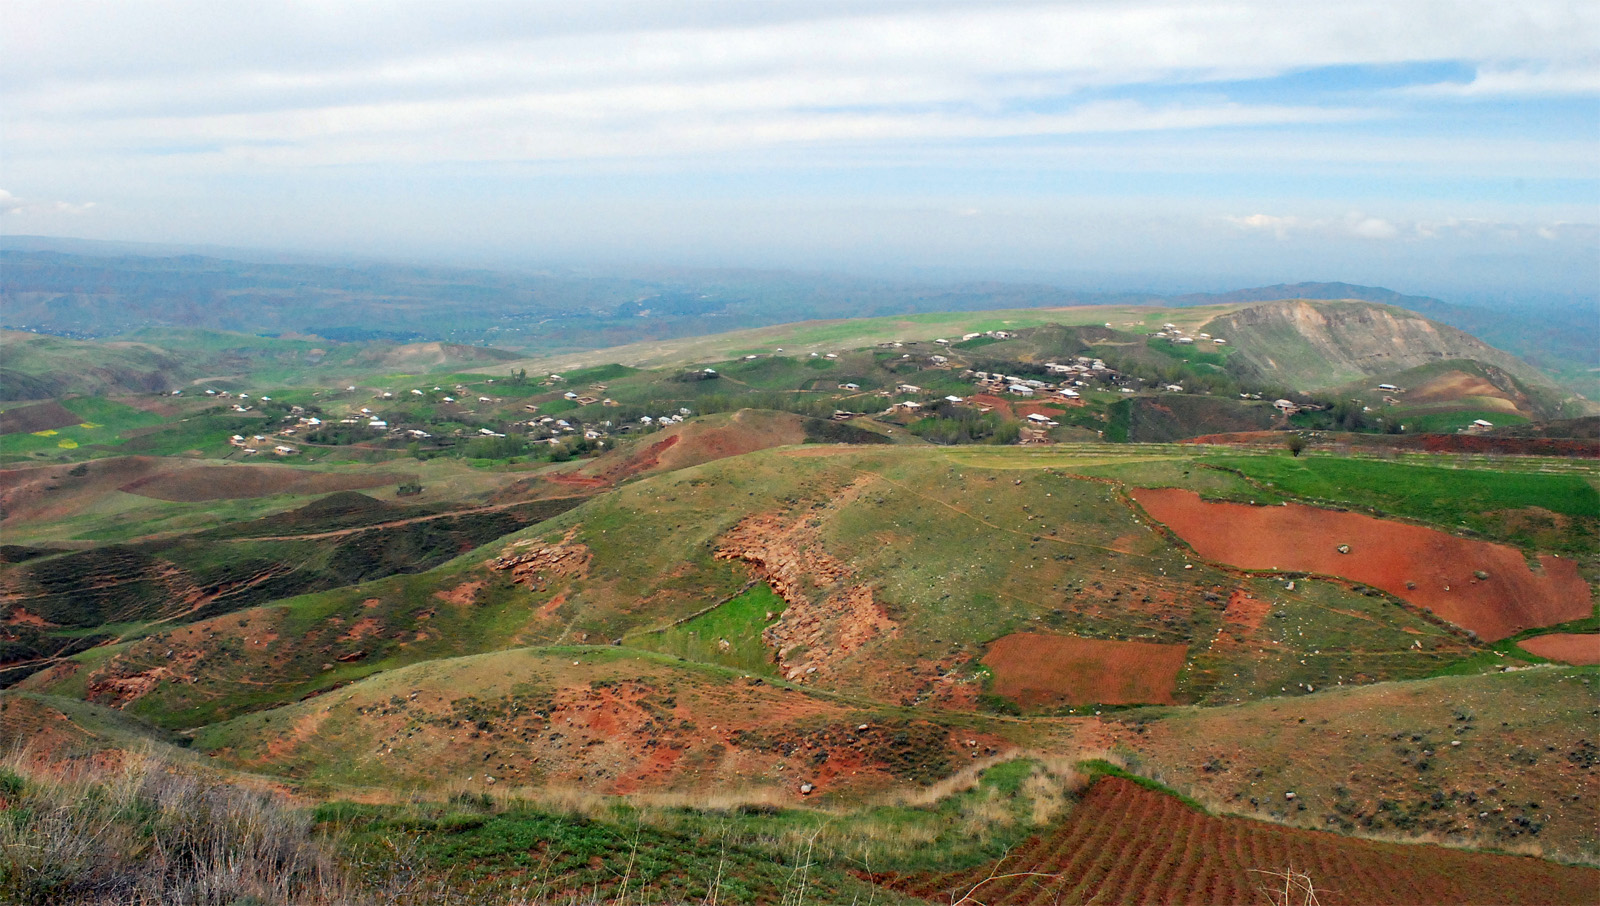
<point>1123,843</point>
<point>44,493</point>
<point>244,482</point>
<point>1570,647</point>
<point>996,403</point>
<point>1458,385</point>
<point>40,417</point>
<point>1040,669</point>
<point>685,445</point>
<point>1389,555</point>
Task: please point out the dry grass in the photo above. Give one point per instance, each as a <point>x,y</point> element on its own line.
<point>146,831</point>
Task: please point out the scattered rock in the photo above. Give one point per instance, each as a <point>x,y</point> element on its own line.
<point>1344,548</point>
<point>806,788</point>
<point>1288,795</point>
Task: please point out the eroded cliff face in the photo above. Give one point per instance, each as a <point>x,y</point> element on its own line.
<point>1316,345</point>
<point>830,614</point>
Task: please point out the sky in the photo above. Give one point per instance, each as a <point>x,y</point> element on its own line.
<point>1449,148</point>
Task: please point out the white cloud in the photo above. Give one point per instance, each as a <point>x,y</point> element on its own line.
<point>11,204</point>
<point>1280,227</point>
<point>1520,81</point>
<point>1356,225</point>
<point>1371,228</point>
<point>325,84</point>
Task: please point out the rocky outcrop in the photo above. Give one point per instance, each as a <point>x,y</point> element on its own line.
<point>535,566</point>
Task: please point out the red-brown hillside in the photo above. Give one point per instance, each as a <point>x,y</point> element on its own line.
<point>1422,565</point>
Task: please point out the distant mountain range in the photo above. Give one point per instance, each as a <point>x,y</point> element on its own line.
<point>83,289</point>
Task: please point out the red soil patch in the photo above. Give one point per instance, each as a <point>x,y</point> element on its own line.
<point>1126,844</point>
<point>1383,554</point>
<point>994,402</point>
<point>682,446</point>
<point>41,417</point>
<point>746,432</point>
<point>1048,410</point>
<point>462,595</point>
<point>20,617</point>
<point>1570,647</point>
<point>1240,621</point>
<point>1037,669</point>
<point>362,628</point>
<point>243,482</point>
<point>820,628</point>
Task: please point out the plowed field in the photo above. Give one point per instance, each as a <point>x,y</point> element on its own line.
<point>1038,669</point>
<point>244,482</point>
<point>41,417</point>
<point>1127,844</point>
<point>1424,566</point>
<point>1571,647</point>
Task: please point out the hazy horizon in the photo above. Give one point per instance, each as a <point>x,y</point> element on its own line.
<point>1443,149</point>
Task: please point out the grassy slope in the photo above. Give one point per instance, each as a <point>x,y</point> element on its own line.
<point>838,336</point>
<point>960,546</point>
<point>1381,760</point>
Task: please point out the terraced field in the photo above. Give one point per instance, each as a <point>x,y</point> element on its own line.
<point>1125,843</point>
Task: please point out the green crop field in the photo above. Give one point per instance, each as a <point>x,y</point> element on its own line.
<point>728,634</point>
<point>1478,498</point>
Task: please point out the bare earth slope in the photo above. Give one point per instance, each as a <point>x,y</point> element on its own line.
<point>1315,345</point>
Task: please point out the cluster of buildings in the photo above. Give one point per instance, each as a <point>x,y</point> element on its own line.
<point>1176,335</point>
<point>1070,377</point>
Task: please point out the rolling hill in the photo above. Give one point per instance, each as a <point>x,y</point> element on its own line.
<point>848,607</point>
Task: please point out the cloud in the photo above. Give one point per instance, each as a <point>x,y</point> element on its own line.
<point>326,84</point>
<point>1519,81</point>
<point>1371,228</point>
<point>1356,225</point>
<point>11,204</point>
<point>1280,227</point>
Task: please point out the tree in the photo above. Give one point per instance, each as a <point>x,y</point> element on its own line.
<point>1296,443</point>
